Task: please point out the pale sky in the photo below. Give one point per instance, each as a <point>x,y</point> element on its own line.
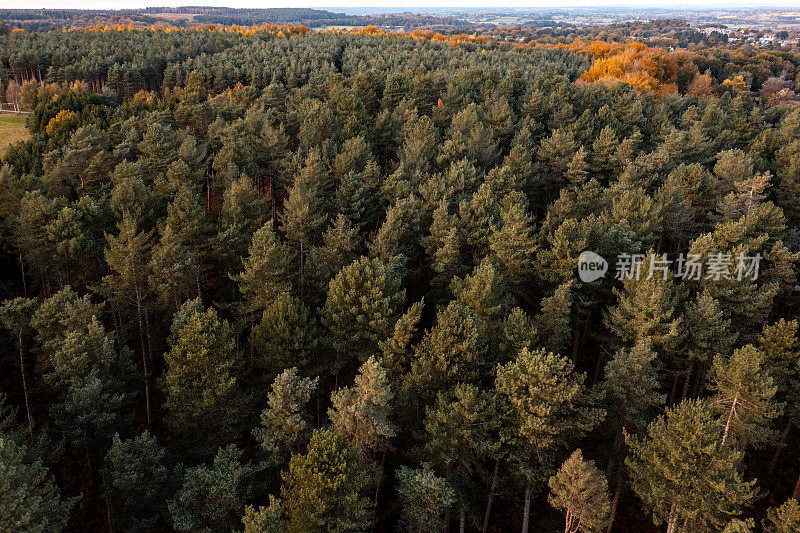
<point>394,5</point>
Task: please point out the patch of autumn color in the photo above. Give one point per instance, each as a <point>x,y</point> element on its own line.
<point>646,69</point>
<point>701,85</point>
<point>602,49</point>
<point>371,30</point>
<point>145,98</point>
<point>735,84</point>
<point>79,86</point>
<point>18,30</point>
<point>113,27</point>
<point>63,120</point>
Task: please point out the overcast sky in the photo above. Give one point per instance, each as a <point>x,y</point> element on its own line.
<point>399,4</point>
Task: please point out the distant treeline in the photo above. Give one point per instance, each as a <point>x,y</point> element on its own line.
<point>46,19</point>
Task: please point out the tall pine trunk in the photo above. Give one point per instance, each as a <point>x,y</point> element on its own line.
<point>147,330</point>
<point>796,491</point>
<point>614,508</point>
<point>526,512</point>
<point>617,491</point>
<point>673,520</point>
<point>145,369</point>
<point>380,479</point>
<point>492,488</point>
<point>686,382</point>
<point>614,451</point>
<point>728,423</point>
<point>301,269</point>
<point>569,525</point>
<point>781,445</point>
<point>674,389</point>
<point>22,273</point>
<point>117,327</point>
<point>699,382</point>
<point>24,383</point>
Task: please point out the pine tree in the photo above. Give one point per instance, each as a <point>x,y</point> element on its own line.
<point>553,322</point>
<point>355,199</point>
<point>284,423</point>
<point>783,519</point>
<point>778,343</point>
<point>29,497</point>
<point>138,481</point>
<point>286,336</point>
<point>737,525</point>
<point>512,241</point>
<point>341,245</point>
<point>173,272</point>
<point>580,491</point>
<point>454,351</point>
<point>477,138</point>
<point>732,166</point>
<point>364,302</point>
<point>126,257</point>
<point>201,382</point>
<point>477,219</point>
<point>35,214</point>
<point>631,387</point>
<point>362,412</point>
<point>61,314</point>
<point>604,150</point>
<point>243,212</point>
<point>631,395</point>
<point>554,155</point>
<point>267,271</point>
<point>634,211</point>
<point>746,303</point>
<point>443,247</point>
<point>304,215</point>
<point>394,91</point>
<point>399,237</point>
<point>88,375</point>
<point>264,520</point>
<point>519,331</point>
<point>648,307</point>
<point>744,397</point>
<point>212,496</point>
<point>684,474</point>
<point>397,350</point>
<point>578,168</point>
<point>419,144</point>
<point>323,489</point>
<point>159,148</point>
<point>132,194</point>
<point>461,432</point>
<point>684,201</point>
<point>708,331</point>
<point>779,346</point>
<point>547,408</point>
<point>16,317</point>
<point>425,497</point>
<point>188,220</point>
<point>485,292</point>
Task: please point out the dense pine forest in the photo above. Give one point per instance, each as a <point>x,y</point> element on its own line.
<point>269,280</point>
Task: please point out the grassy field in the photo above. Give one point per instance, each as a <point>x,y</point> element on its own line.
<point>12,130</point>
